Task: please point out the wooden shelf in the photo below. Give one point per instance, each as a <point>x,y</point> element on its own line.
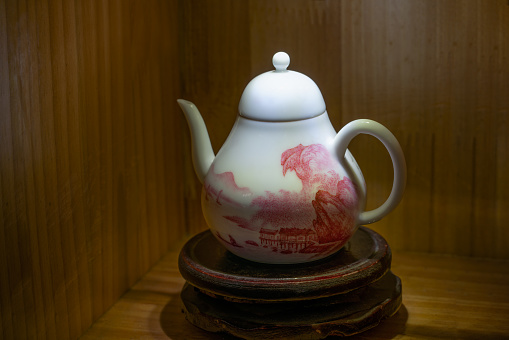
<point>443,297</point>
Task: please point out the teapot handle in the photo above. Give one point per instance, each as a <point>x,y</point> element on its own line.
<point>366,126</point>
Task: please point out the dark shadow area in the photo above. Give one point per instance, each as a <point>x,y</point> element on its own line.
<point>387,329</point>
<point>175,326</point>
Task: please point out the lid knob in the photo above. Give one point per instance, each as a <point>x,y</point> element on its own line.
<point>281,60</point>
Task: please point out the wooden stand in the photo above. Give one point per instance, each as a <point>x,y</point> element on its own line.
<point>344,294</point>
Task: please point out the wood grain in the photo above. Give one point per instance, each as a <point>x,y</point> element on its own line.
<point>435,73</point>
<point>89,148</point>
<point>444,297</point>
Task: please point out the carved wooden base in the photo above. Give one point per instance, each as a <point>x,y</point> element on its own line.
<point>345,294</point>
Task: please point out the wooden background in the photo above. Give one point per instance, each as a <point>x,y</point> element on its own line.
<point>96,181</point>
<point>90,154</point>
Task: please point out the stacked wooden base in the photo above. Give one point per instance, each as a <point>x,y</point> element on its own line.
<point>344,294</point>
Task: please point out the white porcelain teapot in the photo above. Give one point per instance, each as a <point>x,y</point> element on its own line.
<point>284,188</point>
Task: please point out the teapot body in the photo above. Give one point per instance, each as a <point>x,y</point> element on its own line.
<point>284,188</point>
<point>276,192</point>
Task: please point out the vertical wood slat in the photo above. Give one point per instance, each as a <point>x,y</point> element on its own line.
<point>88,200</point>
<point>10,276</point>
<point>436,73</point>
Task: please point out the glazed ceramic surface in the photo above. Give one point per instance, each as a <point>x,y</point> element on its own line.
<point>284,188</point>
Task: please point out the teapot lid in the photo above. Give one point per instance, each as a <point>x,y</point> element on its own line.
<point>281,95</point>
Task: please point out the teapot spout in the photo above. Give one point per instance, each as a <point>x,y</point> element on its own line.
<point>203,155</point>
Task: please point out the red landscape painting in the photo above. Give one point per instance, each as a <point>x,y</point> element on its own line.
<point>317,219</point>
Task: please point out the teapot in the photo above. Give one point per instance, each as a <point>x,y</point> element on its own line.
<point>284,188</point>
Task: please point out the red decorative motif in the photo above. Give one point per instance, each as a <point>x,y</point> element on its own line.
<point>224,180</point>
<point>316,220</point>
<point>231,242</point>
